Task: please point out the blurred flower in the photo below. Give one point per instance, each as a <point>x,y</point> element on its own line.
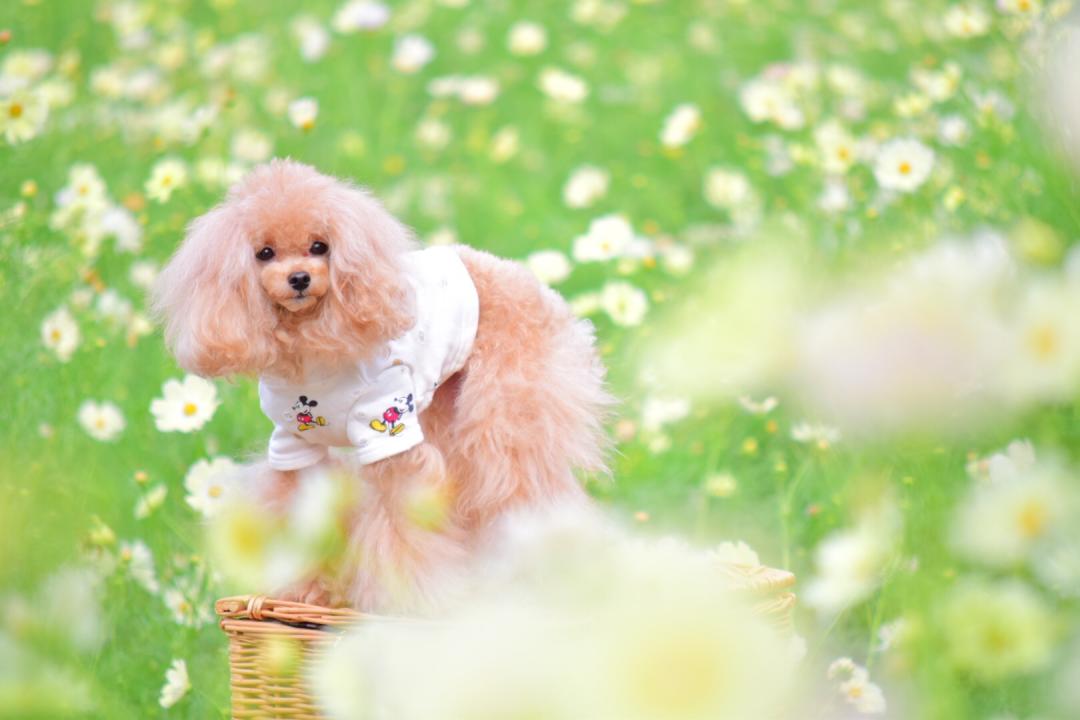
<point>954,130</point>
<point>118,222</point>
<point>185,406</point>
<point>836,146</point>
<point>166,176</point>
<point>103,421</point>
<point>735,553</point>
<point>586,185</point>
<point>1012,517</point>
<point>137,558</point>
<point>821,435</point>
<point>728,189</point>
<point>608,237</point>
<point>1044,343</point>
<point>252,146</point>
<point>766,99</point>
<point>625,304</point>
<point>176,685</point>
<point>357,15</point>
<point>966,21</point>
<point>1020,7</point>
<point>151,501</point>
<point>755,407</point>
<point>412,53</point>
<point>526,38</point>
<point>303,111</point>
<point>658,411</point>
<point>850,563</point>
<point>562,86</point>
<point>855,687</point>
<point>680,126</point>
<point>433,134</point>
<point>312,37</point>
<point>997,629</point>
<point>549,266</point>
<point>505,144</point>
<point>903,164</point>
<point>60,333</point>
<point>22,115</point>
<point>143,273</point>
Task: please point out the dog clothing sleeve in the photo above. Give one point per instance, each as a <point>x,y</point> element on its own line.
<point>289,452</point>
<point>383,420</point>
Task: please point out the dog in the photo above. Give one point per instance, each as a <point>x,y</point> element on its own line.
<point>446,369</point>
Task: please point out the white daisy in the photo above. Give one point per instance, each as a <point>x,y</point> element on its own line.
<point>303,111</point>
<point>311,36</point>
<point>658,411</point>
<point>549,266</point>
<point>119,222</point>
<point>208,483</point>
<point>358,15</point>
<point>586,185</point>
<point>186,405</point>
<point>966,21</point>
<point>103,421</point>
<point>755,407</point>
<point>411,53</point>
<point>143,273</point>
<point>252,146</point>
<point>608,237</point>
<point>60,333</point>
<point>681,126</point>
<point>165,177</point>
<point>478,90</point>
<point>856,688</point>
<point>1019,7</point>
<point>727,189</point>
<point>526,38</point>
<point>22,115</point>
<point>820,435</point>
<point>139,561</point>
<point>625,304</point>
<point>562,86</point>
<point>903,164</point>
<point>432,134</point>
<point>836,147</point>
<point>176,685</point>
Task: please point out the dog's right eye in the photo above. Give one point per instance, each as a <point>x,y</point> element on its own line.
<point>266,253</point>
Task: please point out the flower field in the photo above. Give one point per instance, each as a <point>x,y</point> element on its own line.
<point>829,248</point>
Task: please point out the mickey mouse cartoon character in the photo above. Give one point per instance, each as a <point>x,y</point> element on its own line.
<point>304,418</point>
<point>391,417</point>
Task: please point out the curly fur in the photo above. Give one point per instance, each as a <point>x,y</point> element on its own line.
<point>507,432</point>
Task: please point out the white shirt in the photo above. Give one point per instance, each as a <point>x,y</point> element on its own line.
<point>373,406</point>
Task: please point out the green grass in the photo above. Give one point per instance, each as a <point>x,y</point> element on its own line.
<point>54,487</point>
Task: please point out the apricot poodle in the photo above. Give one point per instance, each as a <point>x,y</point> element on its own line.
<point>446,369</point>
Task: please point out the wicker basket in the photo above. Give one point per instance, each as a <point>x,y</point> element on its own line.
<point>271,641</point>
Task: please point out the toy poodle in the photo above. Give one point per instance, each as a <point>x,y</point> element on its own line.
<point>444,369</point>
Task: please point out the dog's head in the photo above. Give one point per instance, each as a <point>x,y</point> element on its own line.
<point>293,265</point>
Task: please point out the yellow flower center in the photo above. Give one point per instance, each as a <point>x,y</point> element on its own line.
<point>843,153</point>
<point>16,110</point>
<point>55,335</point>
<point>166,180</point>
<point>215,491</point>
<point>1032,519</point>
<point>99,423</point>
<point>190,409</point>
<point>1044,342</point>
<point>855,692</point>
<point>905,168</point>
<point>1023,5</point>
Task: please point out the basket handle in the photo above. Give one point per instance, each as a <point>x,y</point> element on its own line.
<point>261,607</point>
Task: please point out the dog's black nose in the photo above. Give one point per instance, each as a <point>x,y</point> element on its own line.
<point>299,281</point>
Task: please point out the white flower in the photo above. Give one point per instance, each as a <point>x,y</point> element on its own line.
<point>526,38</point>
<point>966,21</point>
<point>303,111</point>
<point>208,484</point>
<point>103,421</point>
<point>585,186</point>
<point>22,115</point>
<point>478,90</point>
<point>60,333</point>
<point>166,176</point>
<point>1043,362</point>
<point>766,100</point>
<point>856,688</point>
<point>359,15</point>
<point>120,223</point>
<point>850,562</point>
<point>113,307</point>
<point>625,304</point>
<point>836,146</point>
<point>834,197</point>
<point>681,126</point>
<point>411,53</point>
<point>754,407</point>
<point>176,685</point>
<point>252,146</point>
<point>658,411</point>
<point>186,405</point>
<point>549,266</point>
<point>1019,7</point>
<point>903,164</point>
<point>954,130</point>
<point>505,144</point>
<point>151,501</point>
<point>182,609</point>
<point>433,134</point>
<point>820,435</point>
<point>563,87</point>
<point>608,237</point>
<point>727,189</point>
<point>139,560</point>
<point>143,273</point>
<point>312,37</point>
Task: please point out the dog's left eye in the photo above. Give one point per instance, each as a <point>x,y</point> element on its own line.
<point>319,248</point>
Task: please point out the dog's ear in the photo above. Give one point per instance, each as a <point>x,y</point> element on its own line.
<point>313,403</point>
<point>369,297</point>
<point>217,318</point>
<point>303,399</point>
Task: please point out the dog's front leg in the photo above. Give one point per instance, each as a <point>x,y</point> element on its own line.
<point>405,541</point>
